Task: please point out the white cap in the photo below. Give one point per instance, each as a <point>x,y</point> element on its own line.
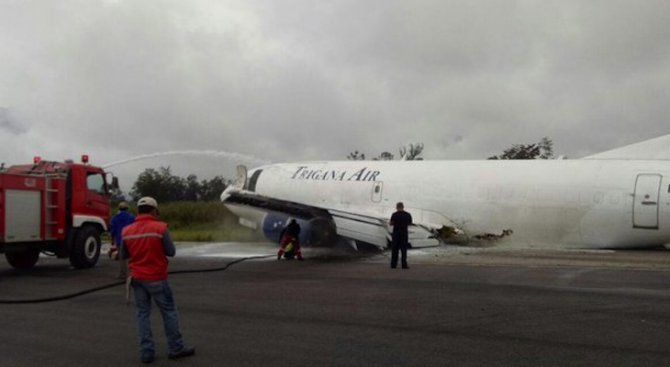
<point>147,201</point>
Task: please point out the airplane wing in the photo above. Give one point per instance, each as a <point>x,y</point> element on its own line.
<point>653,149</point>
<point>319,224</point>
<point>376,230</point>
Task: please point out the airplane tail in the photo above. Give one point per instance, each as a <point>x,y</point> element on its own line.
<point>652,149</point>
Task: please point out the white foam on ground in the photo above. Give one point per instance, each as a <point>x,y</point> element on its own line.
<point>224,249</point>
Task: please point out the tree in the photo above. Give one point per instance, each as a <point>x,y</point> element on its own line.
<point>356,156</point>
<point>160,184</point>
<point>385,156</point>
<point>413,153</point>
<point>547,148</point>
<point>212,189</point>
<point>191,188</point>
<point>542,150</point>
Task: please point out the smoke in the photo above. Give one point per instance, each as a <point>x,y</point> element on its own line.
<point>9,123</point>
<point>212,153</point>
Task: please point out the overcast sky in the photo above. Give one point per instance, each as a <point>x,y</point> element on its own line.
<point>309,80</point>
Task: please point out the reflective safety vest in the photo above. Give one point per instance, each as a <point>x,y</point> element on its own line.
<point>144,241</point>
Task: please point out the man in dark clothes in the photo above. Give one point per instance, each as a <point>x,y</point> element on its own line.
<point>400,220</point>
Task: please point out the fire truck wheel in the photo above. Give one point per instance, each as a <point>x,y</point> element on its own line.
<point>86,248</point>
<point>22,260</point>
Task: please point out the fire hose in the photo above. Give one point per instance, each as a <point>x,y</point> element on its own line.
<point>122,282</point>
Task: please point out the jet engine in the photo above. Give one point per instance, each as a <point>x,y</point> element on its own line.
<point>314,231</point>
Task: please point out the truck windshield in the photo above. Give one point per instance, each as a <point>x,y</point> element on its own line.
<point>96,182</point>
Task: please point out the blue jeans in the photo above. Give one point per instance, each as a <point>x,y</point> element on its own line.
<point>162,294</point>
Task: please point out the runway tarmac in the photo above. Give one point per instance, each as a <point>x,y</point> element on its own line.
<point>455,306</point>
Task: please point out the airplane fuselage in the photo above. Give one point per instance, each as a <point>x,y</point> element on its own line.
<point>574,203</point>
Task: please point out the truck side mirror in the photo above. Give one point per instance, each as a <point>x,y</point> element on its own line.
<point>113,184</point>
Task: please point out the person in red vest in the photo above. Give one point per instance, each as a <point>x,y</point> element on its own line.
<point>147,243</point>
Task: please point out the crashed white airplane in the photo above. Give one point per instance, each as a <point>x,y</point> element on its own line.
<point>616,199</point>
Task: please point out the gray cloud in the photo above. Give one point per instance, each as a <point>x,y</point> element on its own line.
<point>298,79</point>
<point>9,123</point>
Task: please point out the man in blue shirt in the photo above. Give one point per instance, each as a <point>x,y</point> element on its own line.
<point>121,219</point>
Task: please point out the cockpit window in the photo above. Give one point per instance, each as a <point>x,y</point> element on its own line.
<point>253,180</point>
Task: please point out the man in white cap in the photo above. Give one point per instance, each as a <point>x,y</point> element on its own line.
<point>147,243</point>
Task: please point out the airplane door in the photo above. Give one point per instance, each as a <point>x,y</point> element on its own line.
<point>645,205</point>
<point>377,187</point>
<point>241,182</point>
<point>251,185</point>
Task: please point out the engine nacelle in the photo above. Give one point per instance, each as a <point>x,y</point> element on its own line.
<point>314,232</point>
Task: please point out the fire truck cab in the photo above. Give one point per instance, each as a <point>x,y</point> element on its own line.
<point>58,208</point>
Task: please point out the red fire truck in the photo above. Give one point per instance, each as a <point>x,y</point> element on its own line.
<point>56,208</point>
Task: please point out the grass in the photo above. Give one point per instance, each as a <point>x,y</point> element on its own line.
<point>204,222</point>
<point>208,232</point>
